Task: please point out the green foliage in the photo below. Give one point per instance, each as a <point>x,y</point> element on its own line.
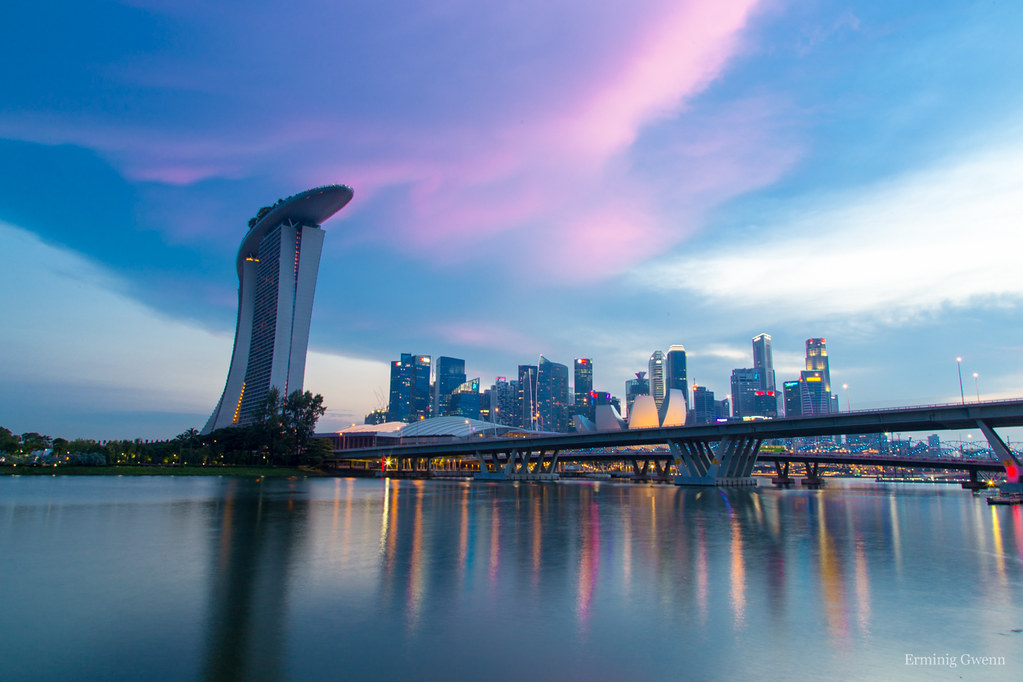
<point>9,443</point>
<point>281,435</point>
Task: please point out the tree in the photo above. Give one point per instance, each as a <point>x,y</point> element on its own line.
<point>269,426</point>
<point>32,441</point>
<point>299,416</point>
<point>9,442</point>
<point>188,436</point>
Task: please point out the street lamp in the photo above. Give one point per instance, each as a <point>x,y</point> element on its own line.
<point>848,407</point>
<point>976,385</point>
<point>959,367</point>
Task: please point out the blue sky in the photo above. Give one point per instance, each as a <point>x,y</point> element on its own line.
<point>572,179</point>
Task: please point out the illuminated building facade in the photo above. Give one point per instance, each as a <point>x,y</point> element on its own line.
<point>817,360</point>
<point>793,399</point>
<point>814,398</point>
<point>464,401</point>
<point>582,388</point>
<point>526,402</point>
<point>763,362</point>
<point>410,388</point>
<point>278,261</point>
<point>745,384</point>
<point>818,394</point>
<point>703,405</point>
<point>449,374</point>
<point>655,371</point>
<point>552,396</point>
<point>675,370</point>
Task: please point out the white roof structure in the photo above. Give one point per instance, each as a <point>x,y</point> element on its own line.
<point>438,427</point>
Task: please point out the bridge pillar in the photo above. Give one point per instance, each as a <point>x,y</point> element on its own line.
<point>782,479</point>
<point>517,467</point>
<point>732,466</point>
<point>813,479</point>
<point>1009,460</point>
<point>974,483</point>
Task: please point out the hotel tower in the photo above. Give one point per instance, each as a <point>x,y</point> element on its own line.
<point>277,266</point>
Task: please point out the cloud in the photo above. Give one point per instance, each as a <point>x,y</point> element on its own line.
<point>529,145</point>
<point>81,346</point>
<point>911,244</point>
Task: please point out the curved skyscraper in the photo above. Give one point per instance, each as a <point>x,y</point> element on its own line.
<point>277,266</point>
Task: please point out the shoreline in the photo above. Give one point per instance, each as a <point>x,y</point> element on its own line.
<point>115,470</point>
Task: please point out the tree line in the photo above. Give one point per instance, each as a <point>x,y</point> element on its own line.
<point>281,434</point>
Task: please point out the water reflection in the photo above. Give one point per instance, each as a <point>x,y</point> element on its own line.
<point>401,579</point>
<point>256,529</point>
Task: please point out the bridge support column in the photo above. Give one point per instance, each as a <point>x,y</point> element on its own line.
<point>813,479</point>
<point>974,483</point>
<point>782,479</point>
<point>1009,460</point>
<point>732,466</point>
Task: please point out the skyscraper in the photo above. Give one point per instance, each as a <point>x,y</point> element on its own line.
<point>552,396</point>
<point>449,375</point>
<point>763,362</point>
<point>582,388</point>
<point>655,367</point>
<point>703,405</point>
<point>820,391</point>
<point>410,388</point>
<point>793,399</point>
<point>634,387</point>
<point>675,370</point>
<point>745,384</point>
<point>527,396</point>
<point>817,360</point>
<point>813,396</point>
<point>277,263</point>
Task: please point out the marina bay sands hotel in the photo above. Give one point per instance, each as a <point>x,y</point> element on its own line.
<point>277,266</point>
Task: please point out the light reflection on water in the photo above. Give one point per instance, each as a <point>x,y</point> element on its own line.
<point>177,578</point>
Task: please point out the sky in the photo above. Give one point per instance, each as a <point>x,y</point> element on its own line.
<point>572,179</point>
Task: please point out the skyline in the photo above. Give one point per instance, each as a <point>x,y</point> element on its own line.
<point>568,181</point>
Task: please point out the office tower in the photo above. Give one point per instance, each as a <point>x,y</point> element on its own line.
<point>656,376</point>
<point>410,388</point>
<point>763,362</point>
<point>817,361</point>
<point>745,383</point>
<point>449,374</point>
<point>582,388</point>
<point>504,396</point>
<point>277,263</point>
<point>813,396</point>
<point>703,405</point>
<point>464,401</point>
<point>527,397</point>
<point>552,396</point>
<point>675,371</point>
<point>634,387</point>
<point>765,404</point>
<point>793,399</point>
<point>722,408</point>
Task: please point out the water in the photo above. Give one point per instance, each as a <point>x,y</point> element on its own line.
<point>176,578</point>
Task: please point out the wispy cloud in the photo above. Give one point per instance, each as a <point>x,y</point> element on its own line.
<point>943,236</point>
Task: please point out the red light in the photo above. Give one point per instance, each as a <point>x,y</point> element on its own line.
<point>1011,472</point>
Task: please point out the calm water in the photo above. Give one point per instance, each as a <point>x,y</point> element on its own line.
<point>182,578</point>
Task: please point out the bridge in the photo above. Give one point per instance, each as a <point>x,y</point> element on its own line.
<point>720,454</point>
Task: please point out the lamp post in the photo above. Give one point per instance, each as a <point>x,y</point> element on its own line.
<point>848,406</point>
<point>976,385</point>
<point>959,367</point>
